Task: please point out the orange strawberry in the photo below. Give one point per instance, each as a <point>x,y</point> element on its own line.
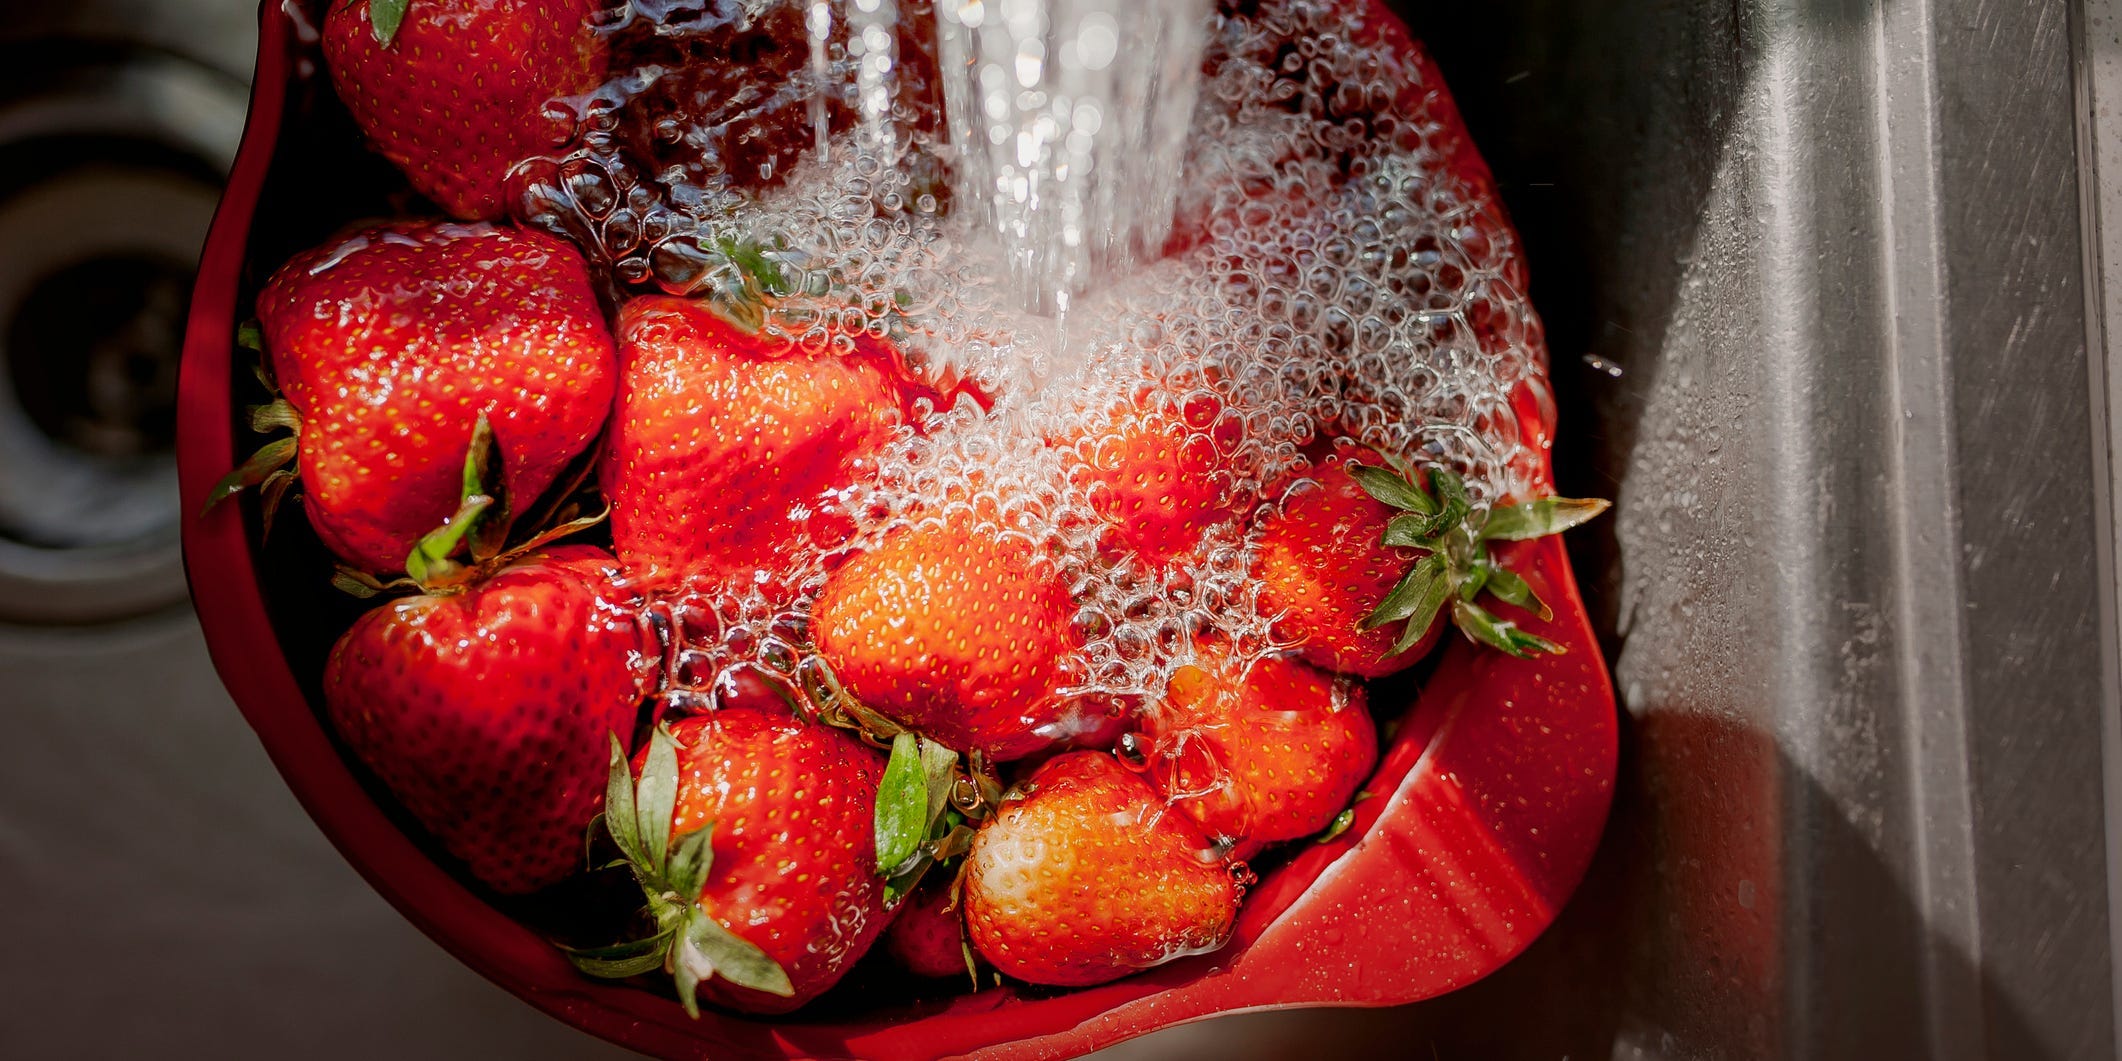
<point>1154,471</point>
<point>486,707</point>
<point>750,832</point>
<point>456,92</point>
<point>1272,754</point>
<point>961,635</point>
<point>724,440</point>
<point>1089,877</point>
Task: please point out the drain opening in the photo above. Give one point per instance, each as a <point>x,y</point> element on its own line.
<point>94,349</point>
<point>99,234</point>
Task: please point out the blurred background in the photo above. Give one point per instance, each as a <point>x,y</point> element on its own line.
<point>1823,283</point>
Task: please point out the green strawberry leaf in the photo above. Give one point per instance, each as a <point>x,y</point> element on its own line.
<point>690,860</point>
<point>656,801</point>
<point>902,804</point>
<point>253,472</point>
<point>1406,598</point>
<point>483,478</point>
<point>1473,579</point>
<point>1456,567</point>
<point>274,416</point>
<point>1425,615</point>
<point>708,949</point>
<point>1340,825</point>
<point>1482,628</point>
<point>619,816</point>
<point>1455,505</point>
<point>429,559</point>
<point>481,501</point>
<point>937,762</point>
<point>595,828</point>
<point>1506,586</point>
<point>250,336</point>
<point>950,838</point>
<point>1538,519</point>
<point>356,584</point>
<point>384,17</point>
<point>621,960</point>
<point>902,884</point>
<point>1393,489</point>
<point>957,841</point>
<point>756,267</point>
<point>1450,488</point>
<point>1409,531</point>
<point>270,496</point>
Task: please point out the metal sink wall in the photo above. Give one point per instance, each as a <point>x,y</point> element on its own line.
<point>1857,591</point>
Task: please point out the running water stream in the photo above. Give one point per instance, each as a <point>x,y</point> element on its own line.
<point>1068,121</point>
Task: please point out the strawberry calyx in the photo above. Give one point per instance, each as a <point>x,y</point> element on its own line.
<point>919,823</point>
<point>930,800</point>
<point>266,470</point>
<point>687,943</point>
<point>480,524</point>
<point>742,279</point>
<point>1456,568</point>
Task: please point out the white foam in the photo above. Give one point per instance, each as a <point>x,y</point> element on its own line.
<point>1328,288</point>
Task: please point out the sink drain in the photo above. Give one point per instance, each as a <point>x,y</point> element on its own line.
<point>109,174</point>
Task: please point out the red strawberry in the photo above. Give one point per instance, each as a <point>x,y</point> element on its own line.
<point>1090,877</point>
<point>486,708</point>
<point>1154,472</point>
<point>762,879</point>
<point>389,345</point>
<point>960,634</point>
<point>1274,754</point>
<point>928,936</point>
<point>1322,564</point>
<point>1365,562</point>
<point>459,91</point>
<point>724,439</point>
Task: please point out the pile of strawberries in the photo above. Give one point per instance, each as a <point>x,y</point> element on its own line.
<point>465,405</point>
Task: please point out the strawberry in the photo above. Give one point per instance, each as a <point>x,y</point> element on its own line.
<point>1272,754</point>
<point>484,707</point>
<point>1088,876</point>
<point>388,348</point>
<point>1322,564</point>
<point>957,633</point>
<point>928,936</point>
<point>1355,547</point>
<point>1154,472</point>
<point>723,440</point>
<point>750,832</point>
<point>456,92</point>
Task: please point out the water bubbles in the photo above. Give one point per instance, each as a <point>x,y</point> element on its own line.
<point>1330,270</point>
